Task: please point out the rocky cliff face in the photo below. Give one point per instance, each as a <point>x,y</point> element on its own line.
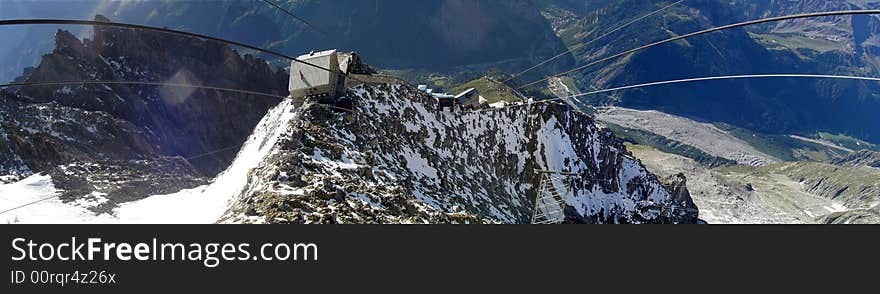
<point>856,187</point>
<point>125,142</point>
<point>398,159</point>
<point>182,121</point>
<point>861,158</point>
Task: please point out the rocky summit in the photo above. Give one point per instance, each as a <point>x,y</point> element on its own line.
<point>398,158</point>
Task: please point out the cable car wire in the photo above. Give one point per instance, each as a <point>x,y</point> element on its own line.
<point>62,83</point>
<point>300,19</point>
<point>591,41</point>
<point>692,80</point>
<point>729,77</point>
<point>144,171</point>
<point>715,29</point>
<point>9,22</point>
<point>112,82</point>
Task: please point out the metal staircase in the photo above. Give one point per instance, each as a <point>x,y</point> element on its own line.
<point>550,201</point>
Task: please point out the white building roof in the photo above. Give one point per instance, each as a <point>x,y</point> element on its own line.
<point>466,92</point>
<point>316,54</point>
<point>442,96</point>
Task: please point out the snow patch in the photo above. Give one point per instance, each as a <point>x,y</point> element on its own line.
<point>208,203</point>
<point>38,203</point>
<point>418,164</point>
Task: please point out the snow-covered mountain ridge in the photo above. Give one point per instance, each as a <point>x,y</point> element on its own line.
<point>397,158</point>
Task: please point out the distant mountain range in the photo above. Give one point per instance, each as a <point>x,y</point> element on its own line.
<point>136,153</point>
<point>837,45</point>
<point>393,33</point>
<point>449,36</point>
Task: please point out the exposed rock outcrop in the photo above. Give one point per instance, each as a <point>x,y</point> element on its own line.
<point>860,158</point>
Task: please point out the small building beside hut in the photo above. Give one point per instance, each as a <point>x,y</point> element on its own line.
<point>446,101</point>
<point>469,98</point>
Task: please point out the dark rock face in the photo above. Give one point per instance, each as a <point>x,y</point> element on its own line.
<point>677,185</point>
<point>183,121</point>
<point>860,158</point>
<point>42,136</point>
<point>118,143</point>
<point>109,183</point>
